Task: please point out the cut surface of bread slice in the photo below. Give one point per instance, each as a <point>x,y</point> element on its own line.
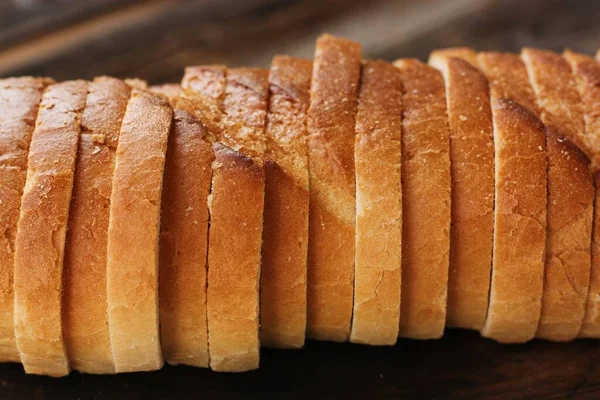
<point>133,233</point>
<point>285,231</point>
<point>40,240</point>
<point>233,104</point>
<point>521,199</point>
<point>331,128</point>
<point>377,155</point>
<point>426,201</point>
<point>570,197</point>
<point>472,166</point>
<point>19,103</point>
<point>184,240</point>
<point>184,235</point>
<point>587,77</point>
<point>85,317</point>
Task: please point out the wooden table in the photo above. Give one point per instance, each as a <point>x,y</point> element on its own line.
<point>156,39</point>
<point>460,366</point>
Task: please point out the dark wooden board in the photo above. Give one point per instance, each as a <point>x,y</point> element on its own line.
<point>156,39</point>
<point>462,365</point>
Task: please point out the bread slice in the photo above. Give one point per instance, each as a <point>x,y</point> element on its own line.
<point>426,201</point>
<point>19,103</point>
<point>85,317</point>
<point>133,233</point>
<point>570,197</point>
<point>184,235</point>
<point>233,105</point>
<point>587,77</point>
<point>234,342</point>
<point>285,230</point>
<point>377,155</point>
<point>331,127</point>
<point>472,166</point>
<point>40,240</point>
<point>520,202</point>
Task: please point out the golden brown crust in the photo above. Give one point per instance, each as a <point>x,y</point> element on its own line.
<point>245,104</point>
<point>587,75</point>
<point>331,127</point>
<point>426,191</point>
<point>40,240</point>
<point>184,242</point>
<point>508,76</point>
<point>586,72</point>
<point>521,198</point>
<point>170,91</point>
<point>437,58</point>
<point>237,198</point>
<point>285,230</point>
<point>133,233</point>
<point>85,317</point>
<point>19,103</point>
<point>557,95</point>
<point>570,197</point>
<point>204,88</point>
<point>472,156</point>
<point>377,157</point>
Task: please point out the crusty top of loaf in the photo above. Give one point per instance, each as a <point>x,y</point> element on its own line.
<point>245,109</point>
<point>170,91</point>
<point>15,118</point>
<point>587,78</point>
<point>558,97</point>
<point>508,78</point>
<point>464,53</point>
<point>289,85</point>
<point>331,121</point>
<point>204,87</point>
<point>231,104</point>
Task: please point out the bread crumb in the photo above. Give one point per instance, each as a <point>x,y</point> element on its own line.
<point>462,118</point>
<point>98,138</point>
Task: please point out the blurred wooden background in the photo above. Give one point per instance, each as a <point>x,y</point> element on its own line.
<point>156,39</point>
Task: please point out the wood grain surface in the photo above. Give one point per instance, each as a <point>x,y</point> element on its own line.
<point>460,366</point>
<point>155,39</point>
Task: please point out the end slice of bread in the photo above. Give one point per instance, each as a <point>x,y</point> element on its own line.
<point>20,99</point>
